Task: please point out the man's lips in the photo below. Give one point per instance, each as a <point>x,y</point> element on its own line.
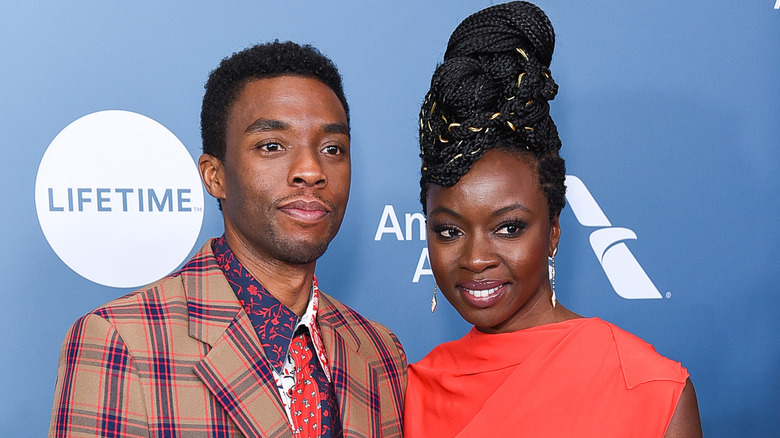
<point>305,210</point>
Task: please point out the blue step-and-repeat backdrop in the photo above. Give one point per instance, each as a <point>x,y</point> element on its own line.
<point>669,112</point>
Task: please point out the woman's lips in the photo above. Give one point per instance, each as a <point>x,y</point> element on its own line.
<point>481,294</point>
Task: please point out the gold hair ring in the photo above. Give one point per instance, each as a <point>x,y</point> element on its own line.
<point>511,126</point>
<point>443,140</point>
<point>522,52</point>
<point>452,125</point>
<point>520,78</point>
<point>453,159</point>
<point>494,116</point>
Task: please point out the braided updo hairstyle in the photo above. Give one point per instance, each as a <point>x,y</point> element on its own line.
<point>492,91</point>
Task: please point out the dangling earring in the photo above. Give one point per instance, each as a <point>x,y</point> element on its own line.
<point>433,300</point>
<point>551,273</point>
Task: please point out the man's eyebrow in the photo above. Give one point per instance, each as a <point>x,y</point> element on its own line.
<point>262,125</point>
<point>337,128</point>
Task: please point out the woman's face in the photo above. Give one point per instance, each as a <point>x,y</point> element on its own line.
<point>489,237</point>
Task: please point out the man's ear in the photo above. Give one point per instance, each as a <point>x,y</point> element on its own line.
<point>213,175</point>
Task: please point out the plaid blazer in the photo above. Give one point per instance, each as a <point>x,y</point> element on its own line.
<point>181,359</point>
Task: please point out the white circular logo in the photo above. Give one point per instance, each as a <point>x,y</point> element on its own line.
<point>119,198</point>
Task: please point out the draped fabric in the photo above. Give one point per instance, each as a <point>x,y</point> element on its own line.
<point>578,378</point>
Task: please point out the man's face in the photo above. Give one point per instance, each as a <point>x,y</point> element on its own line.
<point>284,182</point>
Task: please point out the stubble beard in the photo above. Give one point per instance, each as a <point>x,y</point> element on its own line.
<point>290,250</point>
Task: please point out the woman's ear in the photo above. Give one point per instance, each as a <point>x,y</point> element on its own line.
<point>555,234</point>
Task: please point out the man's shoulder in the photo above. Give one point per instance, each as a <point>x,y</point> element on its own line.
<point>123,325</point>
<point>163,297</point>
<point>154,300</point>
<point>341,316</point>
<point>331,308</point>
<point>348,323</point>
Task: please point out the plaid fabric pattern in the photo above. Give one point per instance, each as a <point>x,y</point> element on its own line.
<point>181,359</point>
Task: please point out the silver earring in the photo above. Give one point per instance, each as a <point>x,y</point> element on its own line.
<point>433,300</point>
<point>551,272</point>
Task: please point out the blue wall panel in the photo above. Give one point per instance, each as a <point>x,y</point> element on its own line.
<point>668,112</point>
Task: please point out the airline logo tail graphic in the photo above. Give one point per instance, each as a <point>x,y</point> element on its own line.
<point>623,270</point>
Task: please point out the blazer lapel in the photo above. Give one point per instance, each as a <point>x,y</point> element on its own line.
<point>240,378</point>
<point>354,381</point>
<point>235,369</point>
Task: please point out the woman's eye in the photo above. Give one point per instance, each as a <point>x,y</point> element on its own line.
<point>448,232</point>
<point>511,229</point>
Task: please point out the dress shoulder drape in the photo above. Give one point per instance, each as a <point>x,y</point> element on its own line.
<point>583,377</point>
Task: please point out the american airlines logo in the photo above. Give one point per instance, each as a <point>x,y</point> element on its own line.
<point>623,271</point>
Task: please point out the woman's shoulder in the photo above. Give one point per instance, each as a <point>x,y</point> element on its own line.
<point>638,360</point>
<point>443,356</point>
<point>588,345</point>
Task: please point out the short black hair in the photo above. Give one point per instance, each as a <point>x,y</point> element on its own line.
<point>261,61</point>
<point>492,91</point>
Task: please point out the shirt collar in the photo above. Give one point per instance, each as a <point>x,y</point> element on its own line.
<point>309,320</point>
<point>274,323</point>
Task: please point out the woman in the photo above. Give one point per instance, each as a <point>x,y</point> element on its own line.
<point>493,189</point>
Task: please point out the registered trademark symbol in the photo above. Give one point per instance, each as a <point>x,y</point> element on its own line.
<point>668,294</point>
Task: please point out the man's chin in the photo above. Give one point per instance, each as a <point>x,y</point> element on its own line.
<point>301,253</point>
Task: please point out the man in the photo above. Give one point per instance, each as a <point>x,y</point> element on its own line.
<point>240,341</point>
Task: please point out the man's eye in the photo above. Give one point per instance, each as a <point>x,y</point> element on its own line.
<point>271,147</point>
<point>332,150</point>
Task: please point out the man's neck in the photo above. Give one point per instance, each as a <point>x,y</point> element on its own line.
<point>288,282</point>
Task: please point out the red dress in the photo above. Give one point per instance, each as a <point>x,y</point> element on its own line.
<point>577,378</point>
